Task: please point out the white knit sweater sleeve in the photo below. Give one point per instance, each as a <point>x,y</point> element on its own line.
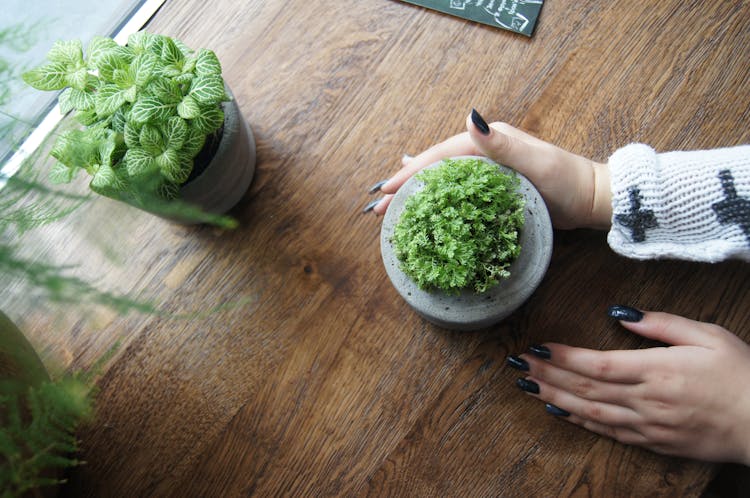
<point>686,205</point>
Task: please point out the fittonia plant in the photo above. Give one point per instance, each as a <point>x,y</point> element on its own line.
<point>147,108</point>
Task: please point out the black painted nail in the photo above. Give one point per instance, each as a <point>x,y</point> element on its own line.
<point>557,412</point>
<point>625,313</point>
<point>528,385</point>
<point>376,187</point>
<point>479,122</point>
<point>518,363</point>
<point>371,206</point>
<point>541,351</point>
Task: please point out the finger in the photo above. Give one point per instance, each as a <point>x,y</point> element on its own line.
<point>510,146</point>
<point>457,145</point>
<point>625,435</point>
<point>667,328</point>
<point>596,411</point>
<point>625,366</point>
<point>584,387</point>
<point>381,207</point>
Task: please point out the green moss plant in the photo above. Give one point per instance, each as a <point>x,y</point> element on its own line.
<point>461,231</point>
<point>147,108</point>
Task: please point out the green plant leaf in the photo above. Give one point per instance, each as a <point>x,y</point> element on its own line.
<point>184,79</point>
<point>132,135</point>
<point>123,78</point>
<point>170,52</point>
<point>108,99</point>
<point>188,108</point>
<point>86,118</point>
<point>209,120</point>
<point>76,149</point>
<point>194,142</point>
<point>78,78</point>
<point>106,181</point>
<point>69,53</point>
<point>140,41</point>
<point>176,132</point>
<point>108,62</point>
<point>186,51</point>
<point>151,139</point>
<point>171,167</point>
<point>52,76</point>
<point>208,89</point>
<point>144,67</point>
<point>165,90</point>
<point>150,109</point>
<point>73,98</point>
<point>207,63</point>
<point>120,118</point>
<point>61,173</point>
<point>139,163</point>
<point>98,46</point>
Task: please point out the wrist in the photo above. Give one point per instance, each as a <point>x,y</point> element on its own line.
<point>601,204</point>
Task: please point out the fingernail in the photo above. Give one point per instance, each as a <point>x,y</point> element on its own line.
<point>406,158</point>
<point>376,187</point>
<point>371,206</point>
<point>479,122</point>
<point>518,363</point>
<point>557,412</point>
<point>528,385</point>
<point>540,351</point>
<point>625,313</point>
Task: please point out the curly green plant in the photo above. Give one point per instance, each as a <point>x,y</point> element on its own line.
<point>461,231</point>
<point>147,108</point>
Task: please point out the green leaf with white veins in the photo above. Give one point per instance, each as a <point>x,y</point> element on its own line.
<point>61,173</point>
<point>139,163</point>
<point>67,52</point>
<point>106,181</point>
<point>208,89</point>
<point>151,109</point>
<point>209,120</point>
<point>175,132</point>
<point>165,90</point>
<point>108,99</point>
<point>52,76</point>
<point>188,108</point>
<point>170,52</point>
<point>193,143</point>
<point>98,46</point>
<point>170,166</point>
<point>144,66</point>
<point>207,63</point>
<point>151,140</point>
<point>108,62</point>
<point>132,135</point>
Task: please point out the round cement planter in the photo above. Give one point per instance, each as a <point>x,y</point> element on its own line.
<point>469,310</point>
<point>227,176</point>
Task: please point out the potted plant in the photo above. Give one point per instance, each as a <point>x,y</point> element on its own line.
<point>38,417</point>
<point>466,242</point>
<point>160,123</point>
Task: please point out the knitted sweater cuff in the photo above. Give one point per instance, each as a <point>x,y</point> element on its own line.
<point>687,205</point>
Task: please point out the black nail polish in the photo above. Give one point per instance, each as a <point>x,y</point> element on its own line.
<point>371,206</point>
<point>540,351</point>
<point>625,313</point>
<point>479,122</point>
<point>518,363</point>
<point>376,187</point>
<point>557,412</point>
<point>528,385</point>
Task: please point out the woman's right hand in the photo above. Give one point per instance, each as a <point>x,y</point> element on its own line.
<point>576,190</point>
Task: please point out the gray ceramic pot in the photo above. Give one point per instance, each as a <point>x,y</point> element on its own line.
<point>468,310</point>
<point>227,177</point>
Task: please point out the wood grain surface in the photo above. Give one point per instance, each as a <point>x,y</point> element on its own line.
<point>315,378</point>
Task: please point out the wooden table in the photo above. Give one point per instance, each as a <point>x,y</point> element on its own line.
<point>318,379</point>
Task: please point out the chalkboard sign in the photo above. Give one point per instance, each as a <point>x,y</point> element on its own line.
<point>514,15</point>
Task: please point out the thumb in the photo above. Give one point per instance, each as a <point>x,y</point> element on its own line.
<point>665,327</point>
<point>510,146</point>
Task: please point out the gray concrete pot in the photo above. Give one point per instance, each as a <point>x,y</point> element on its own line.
<point>227,177</point>
<point>468,310</point>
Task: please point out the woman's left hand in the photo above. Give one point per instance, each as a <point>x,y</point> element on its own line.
<point>690,399</point>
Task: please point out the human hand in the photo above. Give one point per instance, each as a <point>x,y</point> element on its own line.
<point>690,399</point>
<point>575,189</point>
